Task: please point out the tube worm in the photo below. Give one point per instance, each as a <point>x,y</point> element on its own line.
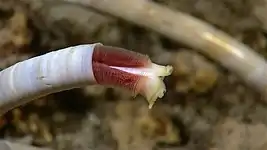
<point>81,65</point>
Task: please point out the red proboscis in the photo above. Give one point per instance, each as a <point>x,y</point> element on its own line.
<point>106,56</point>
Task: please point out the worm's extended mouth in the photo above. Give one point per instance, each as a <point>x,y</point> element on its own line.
<point>133,71</point>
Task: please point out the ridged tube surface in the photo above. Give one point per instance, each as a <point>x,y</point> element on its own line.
<point>39,76</point>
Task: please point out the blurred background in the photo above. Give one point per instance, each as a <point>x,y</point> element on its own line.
<point>205,107</point>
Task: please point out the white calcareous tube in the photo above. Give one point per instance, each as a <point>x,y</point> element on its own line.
<point>39,76</point>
